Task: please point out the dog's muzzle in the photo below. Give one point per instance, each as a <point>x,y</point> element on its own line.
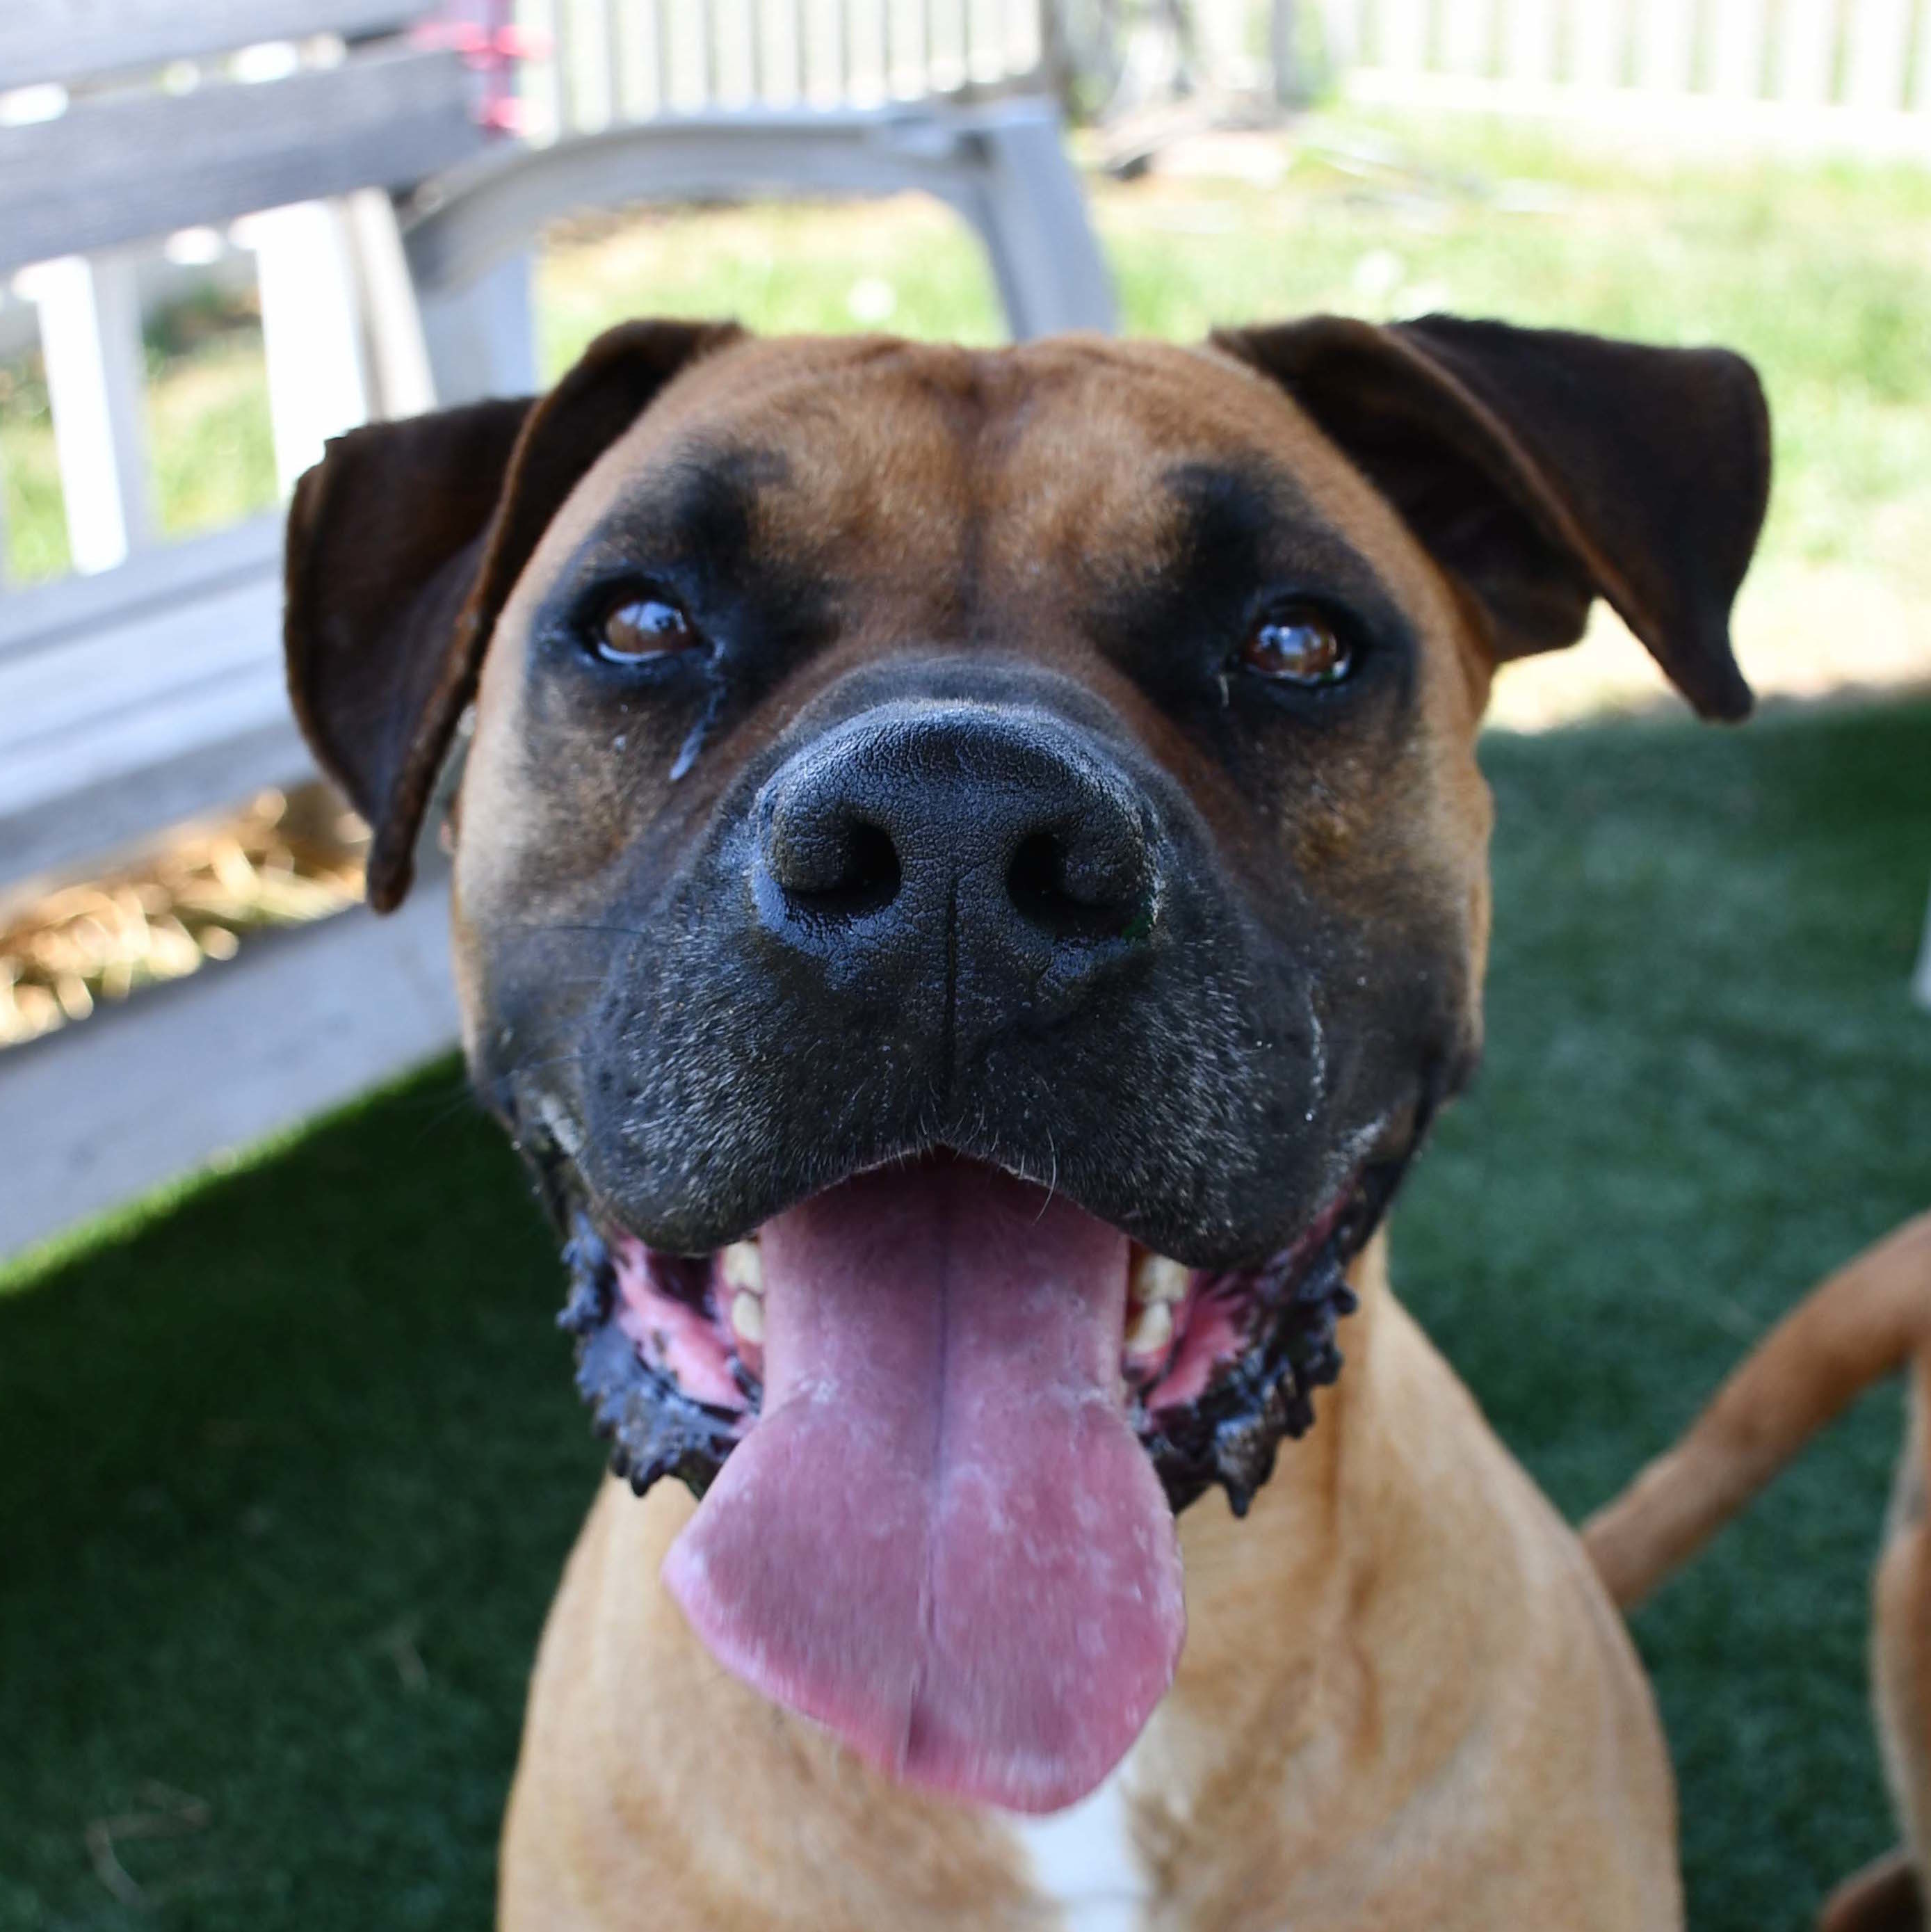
<point>992,859</point>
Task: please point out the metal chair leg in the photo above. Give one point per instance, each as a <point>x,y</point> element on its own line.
<point>1002,166</point>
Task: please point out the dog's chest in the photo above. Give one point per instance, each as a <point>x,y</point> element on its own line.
<point>1084,1864</point>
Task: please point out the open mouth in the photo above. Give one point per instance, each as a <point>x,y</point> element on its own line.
<point>942,1421</point>
<point>1215,1365</point>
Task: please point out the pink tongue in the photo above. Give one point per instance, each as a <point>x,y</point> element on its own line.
<point>942,1539</point>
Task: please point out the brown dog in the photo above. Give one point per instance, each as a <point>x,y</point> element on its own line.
<point>970,883</point>
<point>1867,1321</point>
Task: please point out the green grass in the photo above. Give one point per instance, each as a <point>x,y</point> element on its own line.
<point>1818,272</point>
<point>906,266</point>
<point>260,1453</point>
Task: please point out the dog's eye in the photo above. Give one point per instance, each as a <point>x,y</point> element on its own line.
<point>644,627</point>
<point>1298,645</point>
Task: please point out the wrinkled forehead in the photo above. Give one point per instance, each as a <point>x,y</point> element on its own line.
<point>1056,471</point>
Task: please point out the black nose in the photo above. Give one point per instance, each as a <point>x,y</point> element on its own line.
<point>1001,848</point>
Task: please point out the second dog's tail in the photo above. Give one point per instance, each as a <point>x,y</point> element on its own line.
<point>1854,1328</point>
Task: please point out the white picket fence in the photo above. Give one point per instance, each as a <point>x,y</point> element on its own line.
<point>597,62</point>
<point>1854,74</point>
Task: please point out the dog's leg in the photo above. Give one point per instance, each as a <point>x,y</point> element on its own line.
<point>1901,1636</point>
<point>1862,1323</point>
<point>1869,1317</point>
<point>1887,1896</point>
<point>1883,1898</point>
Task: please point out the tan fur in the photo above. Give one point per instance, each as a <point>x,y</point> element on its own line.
<point>1863,1322</point>
<point>1405,1701</point>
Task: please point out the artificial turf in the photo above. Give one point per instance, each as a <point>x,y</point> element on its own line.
<point>287,1471</point>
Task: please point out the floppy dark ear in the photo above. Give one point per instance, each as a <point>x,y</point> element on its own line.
<point>1544,469</point>
<point>403,544</point>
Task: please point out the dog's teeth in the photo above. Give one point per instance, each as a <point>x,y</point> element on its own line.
<point>563,1130</point>
<point>747,1316</point>
<point>1152,1329</point>
<point>741,1267</point>
<point>1156,1280</point>
<point>743,1264</point>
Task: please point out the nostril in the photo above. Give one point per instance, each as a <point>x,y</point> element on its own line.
<point>871,872</point>
<point>1071,893</point>
<point>861,877</point>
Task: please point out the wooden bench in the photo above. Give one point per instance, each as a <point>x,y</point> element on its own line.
<point>393,240</point>
<point>149,688</point>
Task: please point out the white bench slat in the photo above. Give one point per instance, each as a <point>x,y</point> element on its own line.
<point>94,680</point>
<point>125,813</point>
<point>300,1021</point>
<point>74,40</point>
<point>90,321</point>
<point>196,720</point>
<point>133,165</point>
<point>43,616</point>
<point>168,712</point>
<point>310,334</point>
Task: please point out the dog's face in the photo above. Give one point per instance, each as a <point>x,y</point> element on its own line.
<point>970,883</point>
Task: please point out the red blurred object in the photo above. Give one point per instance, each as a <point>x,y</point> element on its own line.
<point>505,114</point>
<point>491,42</point>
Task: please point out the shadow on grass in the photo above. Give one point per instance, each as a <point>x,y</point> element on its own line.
<point>287,1475</point>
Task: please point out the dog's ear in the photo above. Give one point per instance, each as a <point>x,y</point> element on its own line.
<point>403,544</point>
<point>1543,469</point>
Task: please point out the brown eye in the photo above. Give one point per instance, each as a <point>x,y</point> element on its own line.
<point>645,627</point>
<point>1297,647</point>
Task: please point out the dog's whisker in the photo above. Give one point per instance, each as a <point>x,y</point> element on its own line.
<point>444,1112</point>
